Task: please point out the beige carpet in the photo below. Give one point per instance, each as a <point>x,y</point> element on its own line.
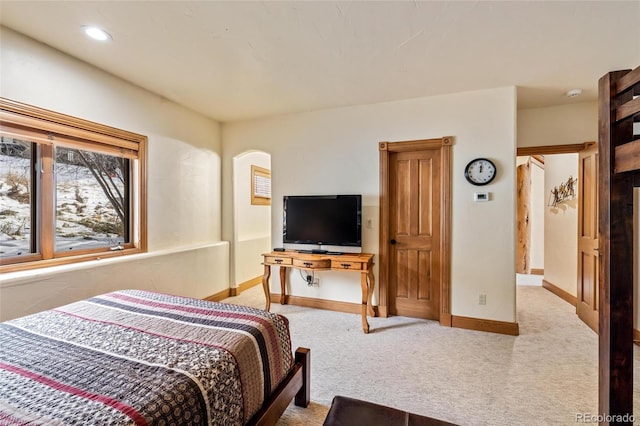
<point>314,414</point>
<point>547,375</point>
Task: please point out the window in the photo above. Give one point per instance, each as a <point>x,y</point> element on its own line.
<point>260,186</point>
<point>70,190</point>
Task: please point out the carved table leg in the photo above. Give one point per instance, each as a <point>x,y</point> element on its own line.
<point>265,286</point>
<point>283,291</point>
<point>365,293</point>
<point>370,295</point>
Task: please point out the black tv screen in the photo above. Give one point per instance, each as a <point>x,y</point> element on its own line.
<point>322,220</point>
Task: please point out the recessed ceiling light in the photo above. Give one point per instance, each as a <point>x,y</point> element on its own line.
<point>573,93</point>
<point>97,33</point>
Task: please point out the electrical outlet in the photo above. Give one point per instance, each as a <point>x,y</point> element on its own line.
<point>312,281</point>
<point>482,300</point>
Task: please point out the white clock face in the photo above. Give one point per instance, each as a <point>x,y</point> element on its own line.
<point>480,171</point>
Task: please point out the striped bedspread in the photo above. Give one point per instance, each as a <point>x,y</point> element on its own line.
<point>140,358</point>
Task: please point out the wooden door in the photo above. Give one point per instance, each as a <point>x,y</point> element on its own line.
<point>414,230</point>
<point>588,267</point>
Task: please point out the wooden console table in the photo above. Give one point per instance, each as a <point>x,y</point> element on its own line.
<point>361,262</point>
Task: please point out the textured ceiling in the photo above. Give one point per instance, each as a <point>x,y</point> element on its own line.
<point>240,60</point>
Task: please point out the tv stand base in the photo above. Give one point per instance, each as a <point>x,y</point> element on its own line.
<point>361,262</point>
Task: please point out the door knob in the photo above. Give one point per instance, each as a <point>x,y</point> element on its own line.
<point>393,242</point>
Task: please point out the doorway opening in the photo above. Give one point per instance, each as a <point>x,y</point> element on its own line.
<point>557,225</point>
<point>251,218</point>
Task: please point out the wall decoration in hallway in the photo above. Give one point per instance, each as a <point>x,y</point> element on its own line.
<point>563,192</point>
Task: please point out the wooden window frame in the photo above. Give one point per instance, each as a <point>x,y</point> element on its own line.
<point>258,199</point>
<point>48,129</point>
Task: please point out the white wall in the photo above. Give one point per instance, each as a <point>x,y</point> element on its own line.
<point>558,125</point>
<point>252,223</point>
<point>561,226</point>
<point>193,272</point>
<point>183,180</point>
<point>336,151</point>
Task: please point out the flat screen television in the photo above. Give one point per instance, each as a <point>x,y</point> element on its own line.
<point>323,222</point>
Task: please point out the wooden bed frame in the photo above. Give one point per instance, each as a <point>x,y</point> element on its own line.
<point>618,174</point>
<point>295,384</point>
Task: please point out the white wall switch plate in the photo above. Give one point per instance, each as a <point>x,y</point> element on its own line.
<point>480,197</point>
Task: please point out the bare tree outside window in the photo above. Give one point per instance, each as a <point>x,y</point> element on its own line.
<point>91,199</point>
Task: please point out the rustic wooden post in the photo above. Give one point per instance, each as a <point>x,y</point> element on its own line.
<point>615,225</point>
<point>523,185</point>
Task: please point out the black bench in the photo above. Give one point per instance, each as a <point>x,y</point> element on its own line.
<point>346,411</point>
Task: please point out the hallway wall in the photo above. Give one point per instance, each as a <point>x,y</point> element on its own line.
<point>561,226</point>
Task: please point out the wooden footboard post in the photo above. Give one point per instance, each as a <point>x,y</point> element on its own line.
<point>296,384</point>
<point>303,356</point>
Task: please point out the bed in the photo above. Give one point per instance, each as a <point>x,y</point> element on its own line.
<point>134,357</point>
<point>618,175</point>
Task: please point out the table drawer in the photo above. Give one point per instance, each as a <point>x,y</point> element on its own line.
<point>276,260</point>
<point>312,263</point>
<point>337,264</point>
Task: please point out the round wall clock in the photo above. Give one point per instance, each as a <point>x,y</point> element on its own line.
<point>480,171</point>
